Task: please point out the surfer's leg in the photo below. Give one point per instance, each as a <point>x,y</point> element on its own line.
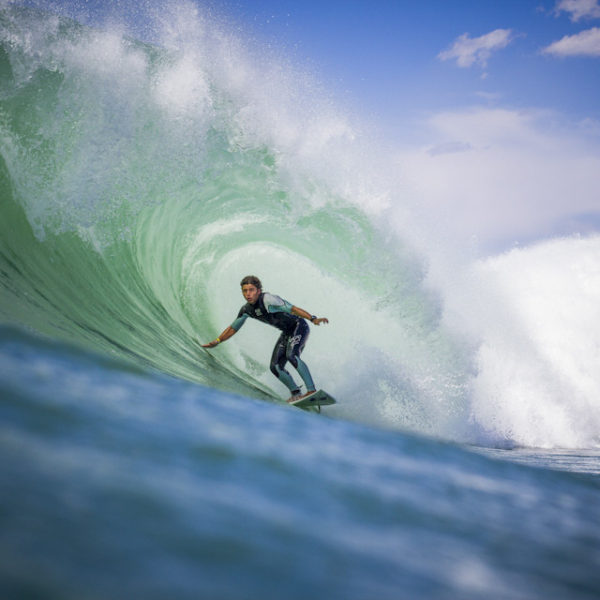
<point>278,360</point>
<point>294,348</point>
<point>303,371</point>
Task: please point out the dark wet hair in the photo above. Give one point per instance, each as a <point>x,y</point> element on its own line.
<point>252,280</point>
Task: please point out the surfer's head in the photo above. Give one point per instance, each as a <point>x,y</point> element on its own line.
<point>251,288</point>
<point>252,280</point>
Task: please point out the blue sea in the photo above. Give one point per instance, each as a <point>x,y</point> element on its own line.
<point>143,173</point>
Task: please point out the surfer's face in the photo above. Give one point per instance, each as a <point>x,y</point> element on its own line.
<point>250,293</point>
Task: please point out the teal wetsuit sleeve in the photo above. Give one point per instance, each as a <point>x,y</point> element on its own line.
<point>275,304</point>
<point>239,322</point>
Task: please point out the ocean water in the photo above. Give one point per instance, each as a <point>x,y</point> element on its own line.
<point>141,176</point>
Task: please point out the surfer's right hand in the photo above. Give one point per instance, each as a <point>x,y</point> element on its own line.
<point>212,344</point>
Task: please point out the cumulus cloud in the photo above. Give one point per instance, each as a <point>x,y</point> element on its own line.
<point>586,43</point>
<point>579,9</point>
<point>469,51</point>
<point>503,176</point>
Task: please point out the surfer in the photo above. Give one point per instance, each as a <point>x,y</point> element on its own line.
<point>289,319</point>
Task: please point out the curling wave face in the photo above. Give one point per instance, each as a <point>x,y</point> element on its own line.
<point>141,182</point>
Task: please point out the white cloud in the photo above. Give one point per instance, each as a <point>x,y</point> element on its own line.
<point>586,43</point>
<point>504,176</point>
<point>469,51</point>
<point>579,9</point>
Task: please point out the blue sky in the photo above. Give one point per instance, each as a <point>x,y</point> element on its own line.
<point>387,56</point>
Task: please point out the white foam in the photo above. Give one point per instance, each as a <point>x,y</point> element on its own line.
<point>536,315</point>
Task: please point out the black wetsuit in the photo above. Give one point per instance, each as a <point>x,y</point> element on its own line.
<point>275,311</point>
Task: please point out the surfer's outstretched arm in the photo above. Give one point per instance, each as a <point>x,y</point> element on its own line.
<point>300,312</point>
<point>230,331</point>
